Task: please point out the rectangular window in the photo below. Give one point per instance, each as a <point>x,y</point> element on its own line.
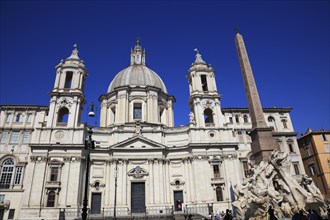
<point>219,193</point>
<point>11,214</point>
<point>236,119</point>
<point>68,80</point>
<point>2,198</point>
<point>14,137</point>
<point>204,83</point>
<point>312,169</point>
<point>9,117</point>
<point>231,120</point>
<point>18,175</point>
<point>327,148</point>
<point>137,111</point>
<point>51,199</point>
<point>54,171</point>
<point>246,168</point>
<point>216,171</point>
<point>296,169</point>
<point>285,125</point>
<point>4,137</point>
<point>26,137</point>
<point>324,137</point>
<point>291,147</point>
<point>29,118</point>
<point>308,151</point>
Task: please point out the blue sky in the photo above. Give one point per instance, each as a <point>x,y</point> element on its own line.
<point>287,42</point>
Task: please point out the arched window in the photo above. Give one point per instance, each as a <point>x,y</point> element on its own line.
<point>162,114</point>
<point>112,114</point>
<point>271,123</point>
<point>63,115</point>
<point>218,191</point>
<point>7,174</point>
<point>19,117</point>
<point>208,116</point>
<point>312,169</point>
<point>9,117</point>
<point>51,199</point>
<point>245,119</point>
<point>137,111</point>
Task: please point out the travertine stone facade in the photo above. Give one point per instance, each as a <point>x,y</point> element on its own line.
<point>156,165</point>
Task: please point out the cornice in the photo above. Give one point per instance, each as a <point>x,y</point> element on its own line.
<point>265,110</point>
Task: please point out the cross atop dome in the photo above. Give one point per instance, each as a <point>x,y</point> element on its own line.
<point>137,55</point>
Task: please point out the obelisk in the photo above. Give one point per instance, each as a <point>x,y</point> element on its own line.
<point>263,142</point>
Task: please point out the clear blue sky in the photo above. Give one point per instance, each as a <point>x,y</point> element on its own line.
<point>287,41</point>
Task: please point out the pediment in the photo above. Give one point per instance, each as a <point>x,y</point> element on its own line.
<point>138,143</point>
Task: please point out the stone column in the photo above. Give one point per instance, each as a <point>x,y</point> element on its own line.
<point>151,181</point>
<point>125,162</point>
<point>107,184</point>
<point>156,191</point>
<point>167,182</point>
<point>192,181</point>
<point>187,180</point>
<point>161,181</point>
<point>104,114</point>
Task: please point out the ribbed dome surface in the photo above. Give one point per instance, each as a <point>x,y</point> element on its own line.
<point>137,75</point>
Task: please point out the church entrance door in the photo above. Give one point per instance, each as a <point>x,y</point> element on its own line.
<point>178,200</point>
<point>96,203</point>
<point>138,203</point>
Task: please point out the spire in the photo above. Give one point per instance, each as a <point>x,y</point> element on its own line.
<point>74,54</point>
<point>198,57</point>
<point>263,142</point>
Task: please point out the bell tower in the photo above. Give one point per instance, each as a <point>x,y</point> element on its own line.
<point>204,98</point>
<point>67,97</point>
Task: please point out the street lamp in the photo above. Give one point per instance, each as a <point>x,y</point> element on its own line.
<point>89,144</point>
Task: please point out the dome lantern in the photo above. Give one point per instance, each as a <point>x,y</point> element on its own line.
<point>138,56</point>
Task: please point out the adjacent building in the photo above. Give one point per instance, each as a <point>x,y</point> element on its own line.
<point>314,148</point>
<point>159,168</point>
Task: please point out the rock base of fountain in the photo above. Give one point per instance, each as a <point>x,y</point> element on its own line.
<point>271,186</point>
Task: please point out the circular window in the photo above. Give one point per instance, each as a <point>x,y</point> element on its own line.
<point>97,185</point>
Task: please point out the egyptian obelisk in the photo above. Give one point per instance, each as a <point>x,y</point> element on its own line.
<point>263,142</point>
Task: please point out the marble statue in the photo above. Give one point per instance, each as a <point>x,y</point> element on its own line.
<point>192,118</point>
<point>272,185</point>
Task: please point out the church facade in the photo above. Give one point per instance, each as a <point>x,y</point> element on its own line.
<point>141,164</point>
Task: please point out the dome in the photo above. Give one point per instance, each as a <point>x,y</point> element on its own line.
<point>137,75</point>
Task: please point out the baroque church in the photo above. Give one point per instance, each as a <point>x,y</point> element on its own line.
<point>140,162</point>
